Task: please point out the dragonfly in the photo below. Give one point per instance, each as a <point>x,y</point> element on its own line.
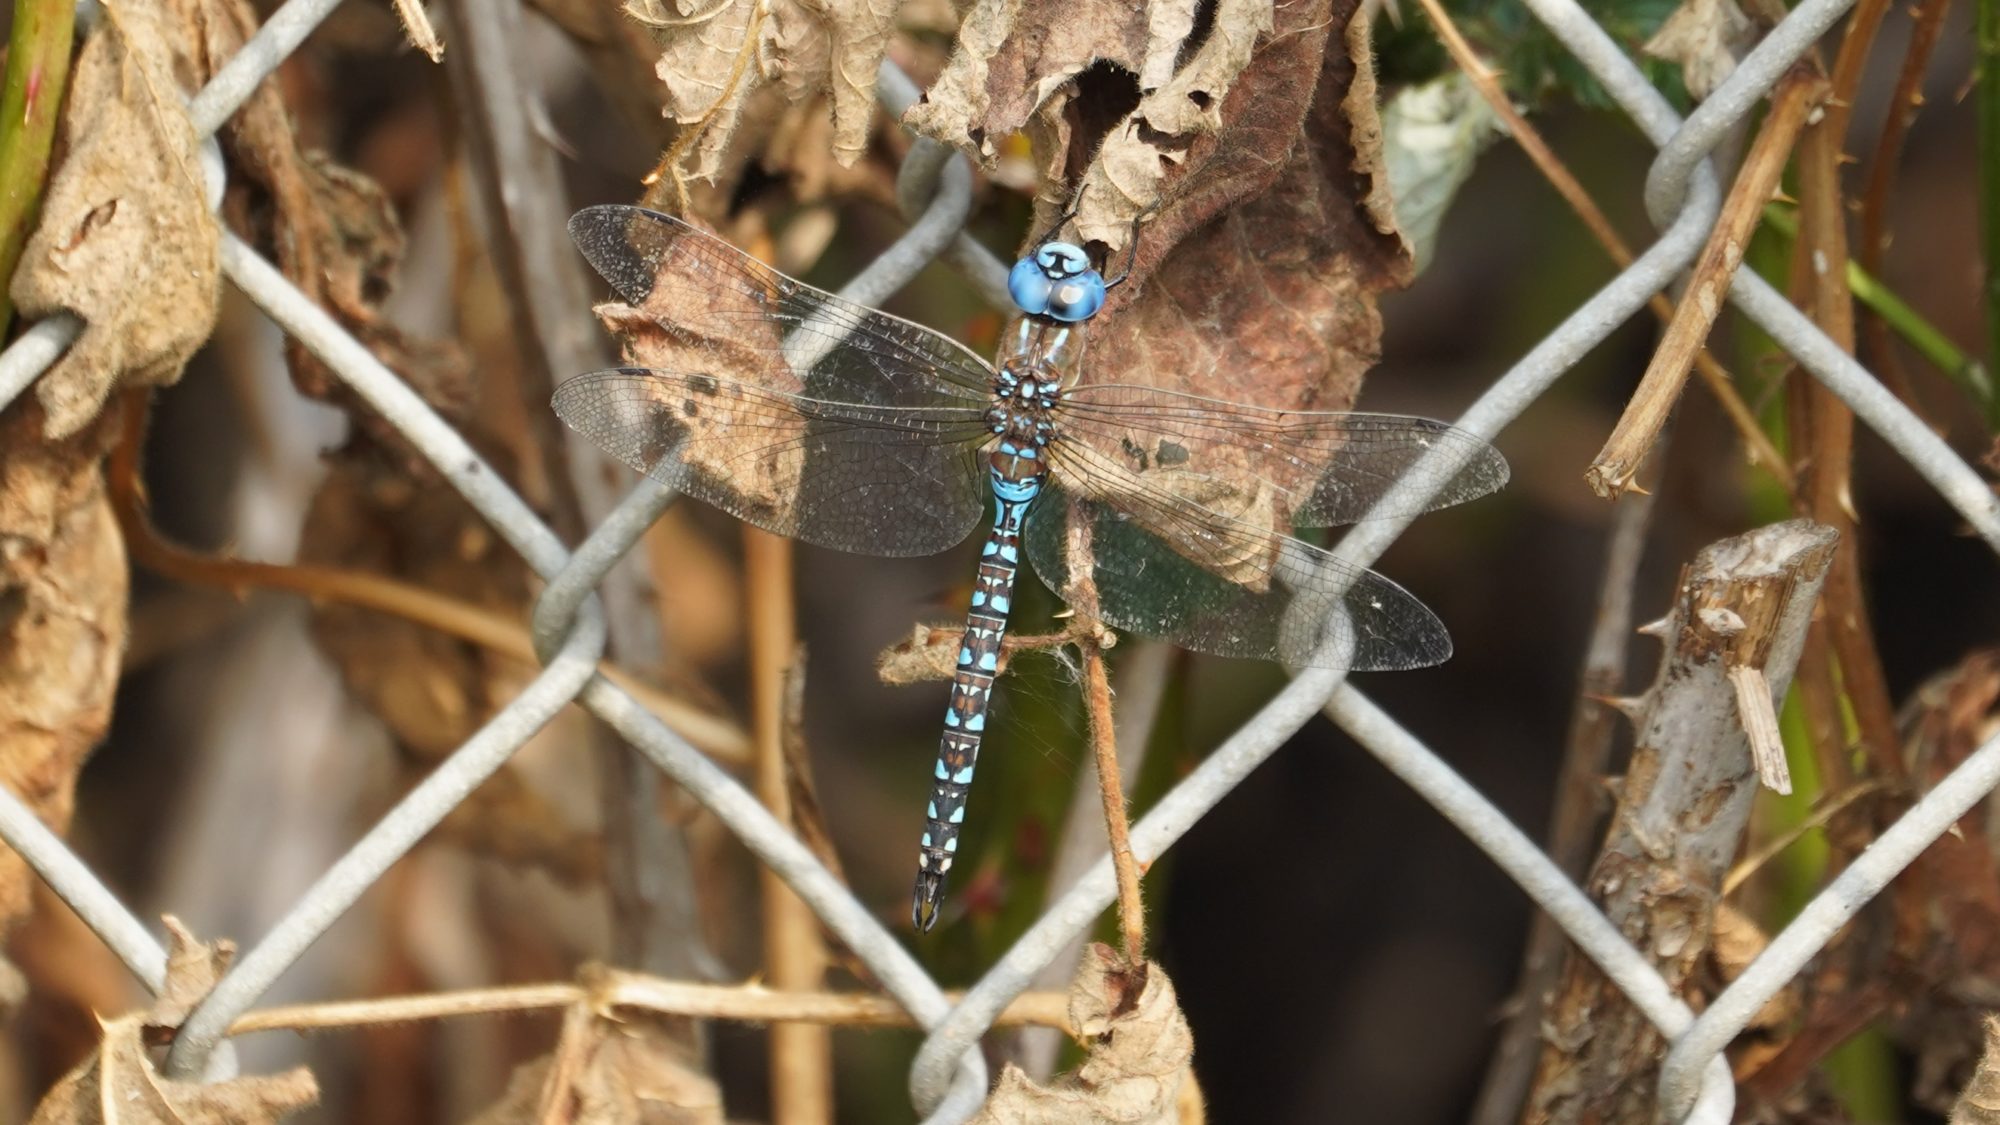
<point>839,425</point>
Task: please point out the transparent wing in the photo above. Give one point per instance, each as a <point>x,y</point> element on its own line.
<point>875,480</point>
<point>1168,567</point>
<point>728,314</point>
<point>1303,468</point>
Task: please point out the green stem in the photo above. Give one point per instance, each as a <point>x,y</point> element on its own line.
<point>1967,373</point>
<point>1987,95</point>
<point>37,72</point>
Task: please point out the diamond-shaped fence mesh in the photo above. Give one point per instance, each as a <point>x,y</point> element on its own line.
<point>948,1077</point>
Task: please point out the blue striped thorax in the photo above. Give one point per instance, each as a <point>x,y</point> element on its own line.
<point>1056,282</point>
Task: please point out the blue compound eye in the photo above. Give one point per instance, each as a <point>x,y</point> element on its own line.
<point>1057,283</point>
<point>1077,298</point>
<point>1029,287</point>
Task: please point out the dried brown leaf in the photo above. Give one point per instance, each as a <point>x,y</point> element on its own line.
<point>715,57</point>
<point>193,968</point>
<point>1138,1065</point>
<point>1258,280</point>
<point>118,1085</point>
<point>63,619</point>
<point>608,1072</point>
<point>1980,1103</point>
<point>330,230</point>
<point>125,240</point>
<point>1705,38</point>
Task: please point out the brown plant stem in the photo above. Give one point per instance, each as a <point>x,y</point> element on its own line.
<point>795,957</point>
<point>38,50</point>
<point>713,734</point>
<point>613,989</point>
<point>1581,803</point>
<point>1104,754</point>
<point>1611,473</point>
<point>1823,434</point>
<point>1082,597</point>
<point>1881,181</point>
<point>1713,375</point>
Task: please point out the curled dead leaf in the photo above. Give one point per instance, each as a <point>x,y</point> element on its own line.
<point>63,619</point>
<point>609,1072</point>
<point>1705,37</point>
<point>125,240</point>
<point>715,56</point>
<point>1140,1052</point>
<point>1979,1104</point>
<point>117,1085</point>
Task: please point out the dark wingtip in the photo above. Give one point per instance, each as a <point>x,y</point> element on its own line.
<point>924,901</point>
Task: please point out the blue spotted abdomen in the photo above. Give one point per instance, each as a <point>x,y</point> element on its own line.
<point>971,691</point>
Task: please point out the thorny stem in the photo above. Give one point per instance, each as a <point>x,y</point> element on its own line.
<point>713,734</point>
<point>794,955</point>
<point>1824,437</point>
<point>1925,338</point>
<point>1882,169</point>
<point>611,989</point>
<point>1713,375</point>
<point>1611,472</point>
<point>37,71</point>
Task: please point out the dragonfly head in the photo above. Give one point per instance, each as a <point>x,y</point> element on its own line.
<point>1058,283</point>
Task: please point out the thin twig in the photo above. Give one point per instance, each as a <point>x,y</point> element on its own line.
<point>794,954</point>
<point>1104,753</point>
<point>1582,798</point>
<point>748,1003</point>
<point>1140,691</point>
<point>1713,375</point>
<point>1882,169</point>
<point>714,735</point>
<point>1822,814</point>
<point>1611,473</point>
<point>1082,597</point>
<point>38,50</point>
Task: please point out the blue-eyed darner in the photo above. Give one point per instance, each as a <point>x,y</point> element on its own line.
<point>820,419</point>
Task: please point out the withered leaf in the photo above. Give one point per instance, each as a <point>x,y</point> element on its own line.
<point>713,57</point>
<point>125,240</point>
<point>1704,37</point>
<point>118,1085</point>
<point>608,1071</point>
<point>1258,280</point>
<point>1980,1103</point>
<point>330,230</point>
<point>63,619</point>
<point>1432,136</point>
<point>1140,1054</point>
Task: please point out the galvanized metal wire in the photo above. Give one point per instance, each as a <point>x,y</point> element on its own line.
<point>948,1077</point>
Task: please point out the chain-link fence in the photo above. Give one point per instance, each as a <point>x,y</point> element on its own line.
<point>948,1079</point>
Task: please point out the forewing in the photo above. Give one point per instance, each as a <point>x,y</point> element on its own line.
<point>1282,467</point>
<point>725,313</point>
<point>875,480</point>
<point>1167,567</point>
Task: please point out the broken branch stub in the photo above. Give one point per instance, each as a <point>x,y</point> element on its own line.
<point>1744,604</point>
